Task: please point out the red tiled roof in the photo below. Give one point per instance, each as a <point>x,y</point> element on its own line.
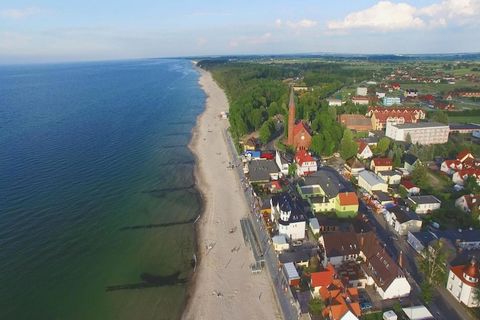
<point>302,156</point>
<point>469,172</point>
<point>361,145</point>
<point>458,271</point>
<point>453,164</point>
<point>463,155</point>
<point>348,198</point>
<point>322,278</point>
<point>408,184</point>
<point>299,127</point>
<point>382,162</point>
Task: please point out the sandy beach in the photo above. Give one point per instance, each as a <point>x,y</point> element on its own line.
<point>223,286</point>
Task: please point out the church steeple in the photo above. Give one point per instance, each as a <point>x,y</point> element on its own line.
<point>291,117</point>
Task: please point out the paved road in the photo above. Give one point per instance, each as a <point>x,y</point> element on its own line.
<point>443,306</point>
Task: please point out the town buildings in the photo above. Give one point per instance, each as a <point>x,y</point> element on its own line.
<point>364,150</point>
<point>359,100</point>
<point>425,133</point>
<point>362,91</point>
<point>356,122</point>
<point>423,204</point>
<point>306,164</point>
<point>403,220</point>
<point>380,116</point>
<point>469,203</point>
<point>391,101</point>
<point>326,190</point>
<point>381,164</point>
<point>369,181</point>
<point>462,282</point>
<point>288,214</point>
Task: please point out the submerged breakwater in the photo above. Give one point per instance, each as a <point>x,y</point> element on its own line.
<point>98,195</point>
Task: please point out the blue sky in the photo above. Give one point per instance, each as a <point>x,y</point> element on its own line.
<point>72,30</point>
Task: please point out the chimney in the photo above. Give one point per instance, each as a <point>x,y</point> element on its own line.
<point>400,259</point>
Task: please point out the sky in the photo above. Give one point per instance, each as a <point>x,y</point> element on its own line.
<point>74,30</point>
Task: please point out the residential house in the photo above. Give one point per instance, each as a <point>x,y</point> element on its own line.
<point>280,243</point>
<point>410,161</point>
<point>423,204</point>
<point>383,198</point>
<point>283,161</point>
<point>326,190</point>
<point>332,102</point>
<point>341,302</point>
<point>466,128</point>
<point>305,163</point>
<point>262,171</point>
<point>339,247</point>
<point>380,94</point>
<point>410,93</point>
<point>391,101</point>
<point>469,203</point>
<point>424,133</point>
<point>314,225</point>
<point>353,167</point>
<point>451,166</point>
<point>391,177</point>
<point>291,274</point>
<point>395,86</point>
<point>461,240</point>
<point>460,176</point>
<point>463,281</point>
<point>362,91</point>
<point>369,181</point>
<point>410,187</point>
<point>288,214</point>
<point>381,164</point>
<point>403,220</point>
<point>381,270</point>
<point>364,150</point>
<point>359,100</point>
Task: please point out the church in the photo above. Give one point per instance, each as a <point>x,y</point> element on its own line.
<point>299,136</point>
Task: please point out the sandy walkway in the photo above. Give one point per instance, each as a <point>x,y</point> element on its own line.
<point>224,287</point>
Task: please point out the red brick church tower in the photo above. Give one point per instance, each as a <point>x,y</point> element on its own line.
<point>291,118</point>
<point>299,135</point>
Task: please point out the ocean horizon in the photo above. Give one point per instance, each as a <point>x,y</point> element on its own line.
<point>98,191</point>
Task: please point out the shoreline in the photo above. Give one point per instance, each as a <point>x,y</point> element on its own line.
<point>222,285</point>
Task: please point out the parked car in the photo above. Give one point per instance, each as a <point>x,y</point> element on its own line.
<point>365,305</point>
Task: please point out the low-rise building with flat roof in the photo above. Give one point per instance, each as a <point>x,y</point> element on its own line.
<point>424,133</point>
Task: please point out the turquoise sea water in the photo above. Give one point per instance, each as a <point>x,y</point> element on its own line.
<point>94,175</point>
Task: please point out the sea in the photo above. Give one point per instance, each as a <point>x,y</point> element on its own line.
<point>97,191</point>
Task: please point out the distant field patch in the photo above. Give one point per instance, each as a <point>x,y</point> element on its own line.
<point>464,119</point>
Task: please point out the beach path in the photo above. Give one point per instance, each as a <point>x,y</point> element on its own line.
<point>223,286</point>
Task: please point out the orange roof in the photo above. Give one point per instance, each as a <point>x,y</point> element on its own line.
<point>348,198</point>
<point>322,278</point>
<point>382,162</point>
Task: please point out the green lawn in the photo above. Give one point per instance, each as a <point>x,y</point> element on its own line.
<point>373,316</point>
<point>464,119</point>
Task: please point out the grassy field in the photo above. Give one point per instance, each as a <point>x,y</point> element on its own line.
<point>464,119</point>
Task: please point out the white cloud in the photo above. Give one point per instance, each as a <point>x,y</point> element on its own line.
<point>22,13</point>
<point>302,24</point>
<point>384,16</point>
<point>388,16</point>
